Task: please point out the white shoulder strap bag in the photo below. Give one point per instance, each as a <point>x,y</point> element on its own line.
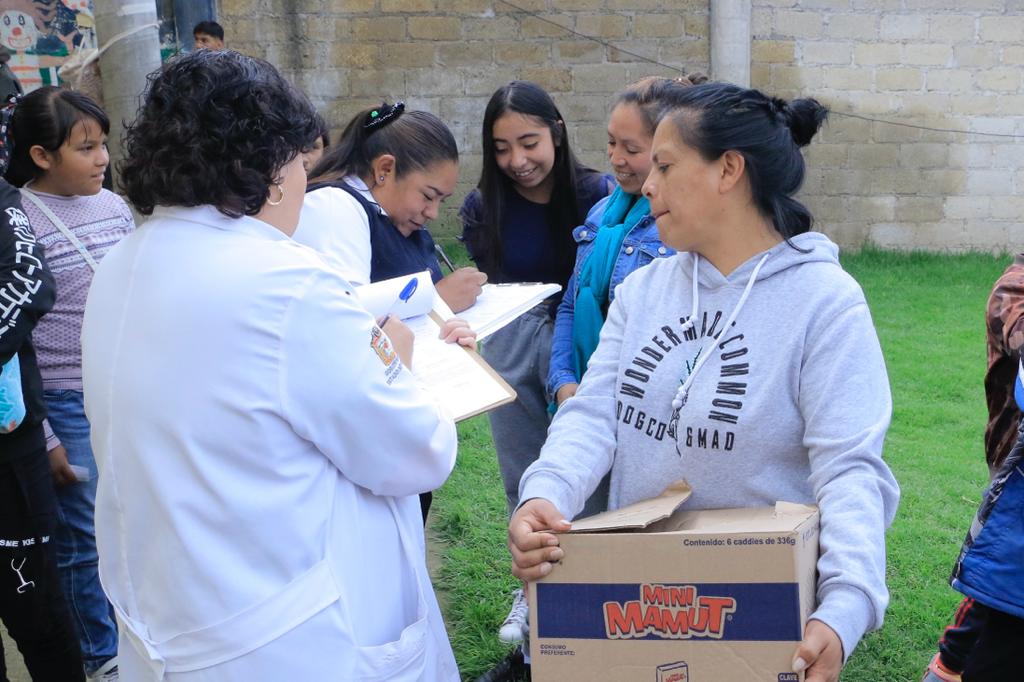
<point>59,224</point>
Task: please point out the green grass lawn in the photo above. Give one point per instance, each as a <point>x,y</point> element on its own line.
<point>929,312</point>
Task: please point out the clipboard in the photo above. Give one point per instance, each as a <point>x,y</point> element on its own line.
<point>500,304</point>
<point>459,378</point>
<point>498,392</point>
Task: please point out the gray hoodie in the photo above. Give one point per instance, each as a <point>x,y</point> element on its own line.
<point>788,402</point>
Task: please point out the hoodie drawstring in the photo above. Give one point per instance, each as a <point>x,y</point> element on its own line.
<point>680,399</point>
<point>688,325</point>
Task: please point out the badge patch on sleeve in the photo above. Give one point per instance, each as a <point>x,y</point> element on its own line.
<point>381,345</point>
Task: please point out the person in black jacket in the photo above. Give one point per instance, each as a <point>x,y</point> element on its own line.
<point>32,603</point>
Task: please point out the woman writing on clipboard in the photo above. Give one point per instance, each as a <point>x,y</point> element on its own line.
<point>371,196</point>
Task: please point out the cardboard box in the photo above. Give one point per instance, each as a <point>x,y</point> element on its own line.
<point>654,594</point>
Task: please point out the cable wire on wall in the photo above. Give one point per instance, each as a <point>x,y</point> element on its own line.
<point>832,112</point>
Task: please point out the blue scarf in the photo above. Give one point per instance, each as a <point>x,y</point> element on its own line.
<point>621,213</point>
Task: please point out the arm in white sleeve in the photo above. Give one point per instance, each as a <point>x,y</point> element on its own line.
<point>846,406</point>
<point>344,389</point>
<point>333,223</point>
<point>580,447</point>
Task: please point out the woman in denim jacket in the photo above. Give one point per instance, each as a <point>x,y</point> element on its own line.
<point>640,246</point>
<point>618,237</point>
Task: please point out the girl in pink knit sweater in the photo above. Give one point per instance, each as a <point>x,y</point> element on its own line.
<point>59,160</point>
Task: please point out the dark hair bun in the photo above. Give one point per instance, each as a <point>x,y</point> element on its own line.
<point>693,78</point>
<point>804,117</point>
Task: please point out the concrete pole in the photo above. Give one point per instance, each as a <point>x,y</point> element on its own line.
<point>730,41</point>
<point>126,63</point>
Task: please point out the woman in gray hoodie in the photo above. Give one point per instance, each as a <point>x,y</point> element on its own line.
<point>747,363</point>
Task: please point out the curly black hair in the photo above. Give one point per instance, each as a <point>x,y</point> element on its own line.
<point>216,127</point>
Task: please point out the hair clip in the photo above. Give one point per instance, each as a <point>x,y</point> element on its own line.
<point>382,115</point>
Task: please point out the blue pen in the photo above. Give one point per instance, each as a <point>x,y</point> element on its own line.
<point>403,297</point>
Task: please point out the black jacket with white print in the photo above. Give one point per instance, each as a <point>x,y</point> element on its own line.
<point>27,293</point>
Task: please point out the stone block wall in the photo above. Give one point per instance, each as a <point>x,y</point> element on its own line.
<point>919,62</point>
<point>927,63</point>
<point>448,56</point>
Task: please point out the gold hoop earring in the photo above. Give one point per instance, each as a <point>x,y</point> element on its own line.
<point>279,189</point>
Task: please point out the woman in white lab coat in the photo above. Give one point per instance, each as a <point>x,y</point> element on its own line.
<point>259,439</point>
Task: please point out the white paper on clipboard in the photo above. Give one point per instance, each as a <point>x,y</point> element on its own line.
<point>461,381</point>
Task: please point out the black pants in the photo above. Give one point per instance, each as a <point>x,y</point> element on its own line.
<point>960,636</point>
<point>996,653</point>
<point>425,500</point>
<point>32,604</point>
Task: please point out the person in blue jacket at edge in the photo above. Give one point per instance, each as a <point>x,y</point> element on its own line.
<point>990,569</point>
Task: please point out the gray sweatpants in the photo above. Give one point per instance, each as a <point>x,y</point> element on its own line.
<point>521,353</point>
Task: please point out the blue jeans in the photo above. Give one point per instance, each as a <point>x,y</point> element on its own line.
<point>76,534</point>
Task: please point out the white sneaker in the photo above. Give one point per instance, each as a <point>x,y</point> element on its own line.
<point>106,673</point>
<point>517,624</point>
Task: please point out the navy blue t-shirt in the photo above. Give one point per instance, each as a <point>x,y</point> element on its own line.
<point>527,245</point>
<point>529,254</point>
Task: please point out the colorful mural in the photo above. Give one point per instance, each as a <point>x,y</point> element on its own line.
<point>42,34</point>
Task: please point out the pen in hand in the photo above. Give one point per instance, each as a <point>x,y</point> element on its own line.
<point>407,291</point>
<point>444,257</point>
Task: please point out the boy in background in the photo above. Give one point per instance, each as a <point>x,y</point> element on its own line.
<point>209,35</point>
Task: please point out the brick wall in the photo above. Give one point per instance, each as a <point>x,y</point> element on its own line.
<point>448,56</point>
<point>924,62</point>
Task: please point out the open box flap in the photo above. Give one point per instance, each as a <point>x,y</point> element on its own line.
<point>783,508</point>
<point>637,515</point>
